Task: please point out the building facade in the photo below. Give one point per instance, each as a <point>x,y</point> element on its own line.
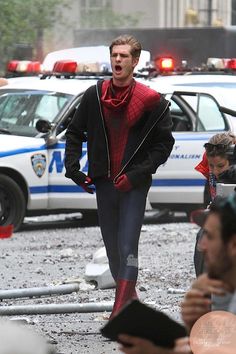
<point>157,13</point>
<point>105,14</point>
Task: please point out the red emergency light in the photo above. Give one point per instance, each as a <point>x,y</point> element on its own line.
<point>164,64</point>
<point>231,64</point>
<point>12,65</point>
<point>65,66</point>
<point>34,67</point>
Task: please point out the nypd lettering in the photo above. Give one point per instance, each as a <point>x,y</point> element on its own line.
<point>56,161</point>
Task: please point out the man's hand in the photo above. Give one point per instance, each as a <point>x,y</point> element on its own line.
<point>194,306</point>
<point>143,346</point>
<point>123,184</point>
<point>85,185</point>
<point>210,286</point>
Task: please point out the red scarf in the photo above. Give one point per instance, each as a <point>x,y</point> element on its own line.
<point>116,98</point>
<point>203,167</point>
<point>122,108</point>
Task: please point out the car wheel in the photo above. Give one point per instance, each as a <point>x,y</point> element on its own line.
<point>12,203</point>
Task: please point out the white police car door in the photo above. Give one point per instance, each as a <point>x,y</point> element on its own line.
<point>63,192</point>
<point>196,117</point>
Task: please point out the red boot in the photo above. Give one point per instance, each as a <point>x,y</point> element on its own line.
<point>125,291</point>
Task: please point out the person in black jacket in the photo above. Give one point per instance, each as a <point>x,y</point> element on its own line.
<point>127,127</point>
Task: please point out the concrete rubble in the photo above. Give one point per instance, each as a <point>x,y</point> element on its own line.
<point>45,257</point>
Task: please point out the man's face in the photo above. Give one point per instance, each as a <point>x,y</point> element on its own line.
<point>216,254</point>
<point>122,64</point>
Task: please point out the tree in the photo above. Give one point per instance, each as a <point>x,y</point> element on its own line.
<point>24,22</point>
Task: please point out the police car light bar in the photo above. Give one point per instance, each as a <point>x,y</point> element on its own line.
<point>221,63</point>
<point>71,67</point>
<point>165,66</point>
<point>89,55</point>
<point>24,66</point>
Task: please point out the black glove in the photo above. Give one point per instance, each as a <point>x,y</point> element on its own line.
<point>82,180</point>
<point>78,177</point>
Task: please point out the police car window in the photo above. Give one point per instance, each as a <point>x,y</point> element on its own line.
<point>210,116</point>
<point>207,114</point>
<point>20,110</point>
<point>63,124</point>
<point>181,117</point>
<point>54,105</point>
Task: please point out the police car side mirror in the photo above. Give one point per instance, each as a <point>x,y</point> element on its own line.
<point>43,126</point>
<point>227,111</point>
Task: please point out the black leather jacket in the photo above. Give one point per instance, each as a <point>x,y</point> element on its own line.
<point>149,143</point>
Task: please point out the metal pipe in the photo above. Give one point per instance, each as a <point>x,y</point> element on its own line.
<point>55,308</point>
<point>39,291</point>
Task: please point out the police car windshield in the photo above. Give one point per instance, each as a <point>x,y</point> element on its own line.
<point>21,109</point>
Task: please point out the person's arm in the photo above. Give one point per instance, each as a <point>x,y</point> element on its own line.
<point>197,300</point>
<point>156,151</point>
<point>75,136</point>
<point>143,346</point>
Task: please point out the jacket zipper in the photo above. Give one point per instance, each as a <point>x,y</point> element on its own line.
<point>107,146</point>
<point>141,143</point>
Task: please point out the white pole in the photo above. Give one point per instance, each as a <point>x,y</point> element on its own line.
<point>55,308</point>
<point>39,291</point>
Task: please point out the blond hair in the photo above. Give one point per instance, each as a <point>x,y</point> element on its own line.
<point>128,39</point>
<point>227,138</point>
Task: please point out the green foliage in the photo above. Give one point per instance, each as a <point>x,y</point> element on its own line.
<point>24,22</point>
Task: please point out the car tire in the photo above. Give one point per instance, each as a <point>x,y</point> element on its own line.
<point>12,203</point>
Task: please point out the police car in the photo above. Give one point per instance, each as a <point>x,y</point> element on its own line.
<point>201,105</point>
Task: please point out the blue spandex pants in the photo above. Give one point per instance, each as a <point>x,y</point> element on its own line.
<point>120,218</point>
